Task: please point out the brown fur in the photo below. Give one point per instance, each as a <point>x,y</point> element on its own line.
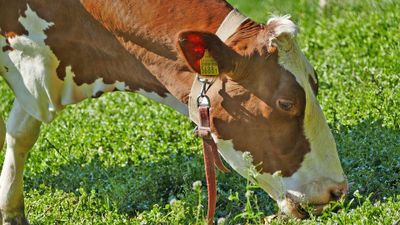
<point>135,42</point>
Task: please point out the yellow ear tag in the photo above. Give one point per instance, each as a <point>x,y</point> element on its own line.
<point>208,65</point>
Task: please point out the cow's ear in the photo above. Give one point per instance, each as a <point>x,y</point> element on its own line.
<point>193,46</point>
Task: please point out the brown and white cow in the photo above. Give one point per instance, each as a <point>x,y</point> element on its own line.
<point>55,53</point>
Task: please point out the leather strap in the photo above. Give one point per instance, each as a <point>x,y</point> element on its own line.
<point>211,159</point>
<point>231,22</point>
<point>209,163</point>
<point>204,131</point>
<point>201,116</point>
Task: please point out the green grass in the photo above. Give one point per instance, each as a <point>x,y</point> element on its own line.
<point>123,159</point>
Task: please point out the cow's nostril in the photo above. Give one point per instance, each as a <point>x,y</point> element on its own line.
<point>336,194</point>
<point>338,191</point>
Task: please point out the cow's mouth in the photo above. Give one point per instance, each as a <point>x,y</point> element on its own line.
<point>296,205</point>
<point>295,208</point>
<point>315,210</point>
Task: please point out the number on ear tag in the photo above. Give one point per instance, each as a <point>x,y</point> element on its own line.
<point>208,65</point>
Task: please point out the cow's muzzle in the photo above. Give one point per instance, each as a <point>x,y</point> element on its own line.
<point>300,207</point>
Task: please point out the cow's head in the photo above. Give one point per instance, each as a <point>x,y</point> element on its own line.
<point>265,114</point>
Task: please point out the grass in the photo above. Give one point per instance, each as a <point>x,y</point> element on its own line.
<point>123,159</point>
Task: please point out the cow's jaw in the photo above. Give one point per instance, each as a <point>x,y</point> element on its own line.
<point>306,186</point>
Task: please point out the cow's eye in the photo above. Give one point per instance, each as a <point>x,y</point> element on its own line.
<point>285,104</point>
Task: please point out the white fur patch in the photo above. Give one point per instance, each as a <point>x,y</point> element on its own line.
<point>283,31</point>
<point>72,93</point>
<point>283,25</point>
<point>26,64</point>
<point>35,25</point>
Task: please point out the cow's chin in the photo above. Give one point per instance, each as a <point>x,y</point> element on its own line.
<point>294,206</point>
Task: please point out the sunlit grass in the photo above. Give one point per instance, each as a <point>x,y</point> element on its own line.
<point>123,159</point>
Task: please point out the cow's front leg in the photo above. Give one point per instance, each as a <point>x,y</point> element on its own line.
<point>22,132</point>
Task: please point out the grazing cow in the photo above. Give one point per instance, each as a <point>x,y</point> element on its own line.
<point>56,53</point>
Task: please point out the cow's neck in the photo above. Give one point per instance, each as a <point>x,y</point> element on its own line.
<point>148,31</point>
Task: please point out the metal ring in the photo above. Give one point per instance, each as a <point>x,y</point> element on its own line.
<point>203,100</point>
<point>202,79</point>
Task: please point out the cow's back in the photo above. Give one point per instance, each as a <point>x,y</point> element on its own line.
<point>56,53</point>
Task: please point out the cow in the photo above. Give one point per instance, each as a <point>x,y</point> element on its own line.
<point>264,110</point>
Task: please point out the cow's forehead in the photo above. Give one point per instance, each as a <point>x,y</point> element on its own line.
<point>316,129</point>
<point>295,61</point>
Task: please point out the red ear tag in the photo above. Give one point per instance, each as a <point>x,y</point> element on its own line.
<point>208,65</point>
<point>194,48</point>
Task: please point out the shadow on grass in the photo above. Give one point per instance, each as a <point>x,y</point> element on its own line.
<point>369,152</point>
<point>130,187</point>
